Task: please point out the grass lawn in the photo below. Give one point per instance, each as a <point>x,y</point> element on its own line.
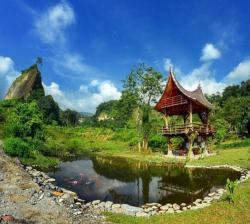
<point>219,212</point>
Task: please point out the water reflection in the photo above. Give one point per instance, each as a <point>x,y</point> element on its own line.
<point>137,183</point>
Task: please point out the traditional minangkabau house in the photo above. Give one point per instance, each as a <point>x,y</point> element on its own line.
<point>176,100</point>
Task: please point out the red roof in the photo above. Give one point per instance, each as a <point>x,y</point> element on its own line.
<point>176,99</point>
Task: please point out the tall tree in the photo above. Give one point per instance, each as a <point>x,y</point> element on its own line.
<point>145,85</point>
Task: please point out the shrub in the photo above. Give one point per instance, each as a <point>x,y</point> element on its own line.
<point>230,185</point>
<point>158,142</point>
<point>17,147</point>
<point>177,142</point>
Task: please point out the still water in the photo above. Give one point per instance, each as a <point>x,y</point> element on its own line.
<point>137,183</point>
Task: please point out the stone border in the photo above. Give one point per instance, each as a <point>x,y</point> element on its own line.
<point>78,205</point>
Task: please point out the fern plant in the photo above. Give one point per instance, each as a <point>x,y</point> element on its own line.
<point>230,186</point>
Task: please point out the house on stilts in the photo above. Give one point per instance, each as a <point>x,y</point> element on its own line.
<point>178,101</point>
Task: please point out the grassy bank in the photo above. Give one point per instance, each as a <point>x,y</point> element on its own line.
<point>218,212</point>
<point>63,142</point>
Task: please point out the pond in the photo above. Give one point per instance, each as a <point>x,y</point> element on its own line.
<point>137,183</point>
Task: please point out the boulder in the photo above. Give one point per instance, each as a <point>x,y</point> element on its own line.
<point>130,210</point>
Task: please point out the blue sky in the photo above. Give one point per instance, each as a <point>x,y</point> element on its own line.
<point>89,46</point>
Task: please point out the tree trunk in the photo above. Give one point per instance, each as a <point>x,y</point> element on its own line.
<point>145,144</point>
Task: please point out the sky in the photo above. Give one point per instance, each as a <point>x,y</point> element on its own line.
<point>89,46</point>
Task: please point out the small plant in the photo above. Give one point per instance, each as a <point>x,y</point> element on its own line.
<point>230,185</point>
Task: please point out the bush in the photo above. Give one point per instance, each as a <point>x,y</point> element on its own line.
<point>17,147</point>
<point>25,121</point>
<point>158,142</point>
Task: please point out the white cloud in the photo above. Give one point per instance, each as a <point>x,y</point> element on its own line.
<point>209,52</point>
<point>53,89</point>
<point>240,72</point>
<point>204,76</point>
<point>7,74</point>
<point>51,27</point>
<point>53,22</point>
<point>85,99</point>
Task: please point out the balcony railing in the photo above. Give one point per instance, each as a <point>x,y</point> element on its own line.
<point>174,101</point>
<point>185,128</point>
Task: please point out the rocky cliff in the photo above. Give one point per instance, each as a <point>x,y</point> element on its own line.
<point>27,85</point>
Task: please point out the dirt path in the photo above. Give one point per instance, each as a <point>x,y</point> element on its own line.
<point>16,191</point>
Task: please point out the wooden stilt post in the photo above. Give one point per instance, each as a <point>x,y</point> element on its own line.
<point>170,153</point>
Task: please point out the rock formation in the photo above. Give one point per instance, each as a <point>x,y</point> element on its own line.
<point>27,85</point>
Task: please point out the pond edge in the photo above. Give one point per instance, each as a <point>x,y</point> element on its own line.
<point>69,198</point>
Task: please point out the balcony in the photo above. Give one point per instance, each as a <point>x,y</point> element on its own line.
<point>174,101</point>
<point>180,129</point>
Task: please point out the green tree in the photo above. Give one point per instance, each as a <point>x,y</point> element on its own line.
<point>145,85</point>
<point>236,112</point>
<point>25,121</point>
<point>69,117</point>
<point>49,109</point>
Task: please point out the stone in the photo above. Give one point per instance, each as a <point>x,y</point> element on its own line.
<point>164,207</point>
<point>7,218</point>
<point>117,209</point>
<point>198,200</point>
<point>220,191</point>
<point>50,180</point>
<point>211,194</point>
<point>35,173</point>
<point>183,204</point>
<point>176,207</point>
<point>142,214</point>
<point>153,204</point>
<point>72,193</point>
<point>77,213</point>
<point>95,202</point>
<point>148,210</point>
<point>116,206</point>
<point>41,196</point>
<point>108,205</point>
<point>57,193</point>
<point>60,200</point>
<point>101,205</point>
<point>184,208</point>
<point>1,176</point>
<point>67,198</point>
<point>170,210</point>
<point>130,210</point>
<point>80,200</point>
<point>169,205</point>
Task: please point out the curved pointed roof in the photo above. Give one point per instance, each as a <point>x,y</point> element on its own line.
<point>196,96</point>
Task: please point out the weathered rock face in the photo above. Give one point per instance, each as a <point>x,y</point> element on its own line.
<point>27,85</point>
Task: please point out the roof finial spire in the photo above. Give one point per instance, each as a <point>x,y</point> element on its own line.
<point>171,70</point>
